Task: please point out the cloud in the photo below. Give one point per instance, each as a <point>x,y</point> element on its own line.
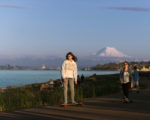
<point>128,8</point>
<point>14,6</point>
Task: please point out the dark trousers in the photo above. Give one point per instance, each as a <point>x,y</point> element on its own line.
<point>125,88</point>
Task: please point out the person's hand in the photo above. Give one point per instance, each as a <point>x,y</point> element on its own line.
<point>65,79</point>
<point>76,82</point>
<point>121,81</point>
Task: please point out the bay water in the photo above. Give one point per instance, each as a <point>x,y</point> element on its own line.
<point>25,77</point>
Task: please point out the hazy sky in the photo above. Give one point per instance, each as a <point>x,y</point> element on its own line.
<point>54,27</point>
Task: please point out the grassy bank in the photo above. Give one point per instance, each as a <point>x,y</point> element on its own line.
<point>31,96</point>
<point>100,85</point>
<point>144,80</point>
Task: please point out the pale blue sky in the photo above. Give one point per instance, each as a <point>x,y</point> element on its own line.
<point>54,27</point>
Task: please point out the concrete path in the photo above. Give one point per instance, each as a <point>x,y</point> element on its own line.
<point>102,108</point>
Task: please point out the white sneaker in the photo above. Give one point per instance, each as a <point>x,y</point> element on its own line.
<point>65,103</point>
<point>126,100</point>
<point>74,102</point>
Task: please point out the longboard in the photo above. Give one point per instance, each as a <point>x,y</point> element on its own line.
<point>66,105</point>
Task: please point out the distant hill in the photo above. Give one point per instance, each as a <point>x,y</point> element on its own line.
<point>103,56</point>
<point>118,66</point>
<point>31,61</point>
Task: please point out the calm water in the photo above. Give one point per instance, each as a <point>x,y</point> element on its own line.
<point>19,77</point>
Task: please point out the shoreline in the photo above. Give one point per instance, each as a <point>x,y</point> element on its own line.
<point>9,87</point>
<point>13,87</point>
<point>46,79</point>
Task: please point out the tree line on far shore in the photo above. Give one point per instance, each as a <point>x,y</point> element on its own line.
<point>118,66</point>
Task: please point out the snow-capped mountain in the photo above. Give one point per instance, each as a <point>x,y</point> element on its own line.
<point>111,52</point>
<point>103,56</point>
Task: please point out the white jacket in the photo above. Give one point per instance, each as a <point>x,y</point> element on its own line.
<point>69,69</point>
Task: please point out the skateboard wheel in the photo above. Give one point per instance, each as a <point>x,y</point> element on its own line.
<point>65,106</point>
<point>82,105</point>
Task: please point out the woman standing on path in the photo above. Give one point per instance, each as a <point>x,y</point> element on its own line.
<point>69,74</point>
<point>125,79</point>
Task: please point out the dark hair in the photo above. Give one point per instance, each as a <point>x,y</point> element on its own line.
<point>73,56</point>
<point>126,62</point>
<point>135,68</point>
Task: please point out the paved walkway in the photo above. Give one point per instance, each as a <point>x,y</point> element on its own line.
<point>103,108</point>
